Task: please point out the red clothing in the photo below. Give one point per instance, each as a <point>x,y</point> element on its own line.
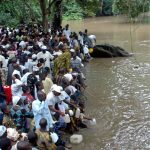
<point>8,93</point>
<point>30,98</point>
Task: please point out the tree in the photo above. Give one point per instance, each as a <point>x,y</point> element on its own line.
<point>131,8</point>
<point>46,6</point>
<point>107,7</point>
<point>13,12</point>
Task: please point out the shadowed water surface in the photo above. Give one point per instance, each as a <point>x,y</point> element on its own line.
<point>118,88</point>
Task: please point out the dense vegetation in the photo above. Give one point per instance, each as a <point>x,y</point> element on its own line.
<point>13,12</point>
<point>132,8</point>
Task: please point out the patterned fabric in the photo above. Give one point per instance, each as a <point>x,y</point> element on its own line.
<point>19,118</point>
<point>45,141</point>
<point>63,61</point>
<point>8,122</point>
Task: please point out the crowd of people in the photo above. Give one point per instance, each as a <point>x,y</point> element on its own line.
<point>41,86</point>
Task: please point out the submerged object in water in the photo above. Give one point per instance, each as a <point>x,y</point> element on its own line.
<point>108,51</point>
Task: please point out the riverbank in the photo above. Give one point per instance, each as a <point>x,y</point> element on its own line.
<point>118,93</point>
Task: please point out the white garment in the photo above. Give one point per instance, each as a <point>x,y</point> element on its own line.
<point>58,53</point>
<point>85,50</point>
<point>22,67</point>
<point>22,44</point>
<point>3,60</point>
<point>68,76</point>
<point>30,63</point>
<point>93,39</point>
<point>41,110</point>
<point>72,89</point>
<point>24,78</point>
<point>16,88</point>
<point>80,38</point>
<point>16,72</point>
<point>67,33</point>
<point>46,56</point>
<point>51,100</point>
<point>66,96</point>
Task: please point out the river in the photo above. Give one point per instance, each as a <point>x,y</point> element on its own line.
<point>118,88</point>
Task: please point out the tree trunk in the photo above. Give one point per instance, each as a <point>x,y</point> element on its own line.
<point>44,14</point>
<point>45,22</point>
<point>57,19</point>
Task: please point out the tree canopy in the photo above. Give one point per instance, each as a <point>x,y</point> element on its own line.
<point>131,8</point>
<point>13,12</point>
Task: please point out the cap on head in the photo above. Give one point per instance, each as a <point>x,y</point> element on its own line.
<point>34,56</point>
<point>56,88</point>
<point>72,50</point>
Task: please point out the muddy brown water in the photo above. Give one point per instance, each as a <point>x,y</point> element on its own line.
<point>118,88</point>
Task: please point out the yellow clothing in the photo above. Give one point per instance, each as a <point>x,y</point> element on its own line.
<point>47,83</point>
<point>45,141</point>
<point>62,62</point>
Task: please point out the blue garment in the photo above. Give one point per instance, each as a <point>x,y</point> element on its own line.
<point>19,118</point>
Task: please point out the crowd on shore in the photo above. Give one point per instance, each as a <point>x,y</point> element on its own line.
<point>41,86</point>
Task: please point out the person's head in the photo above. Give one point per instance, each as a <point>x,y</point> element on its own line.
<point>16,76</point>
<point>44,48</point>
<point>41,61</point>
<point>41,95</point>
<point>3,131</point>
<point>62,71</point>
<point>29,56</point>
<point>67,26</point>
<point>74,56</point>
<point>34,57</point>
<point>39,86</point>
<point>43,123</point>
<point>86,31</point>
<point>23,145</point>
<point>56,90</point>
<point>56,48</point>
<point>26,89</point>
<point>5,144</point>
<point>16,66</point>
<point>64,47</point>
<point>32,137</point>
<point>80,33</point>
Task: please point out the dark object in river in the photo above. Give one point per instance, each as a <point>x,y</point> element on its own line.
<point>108,51</point>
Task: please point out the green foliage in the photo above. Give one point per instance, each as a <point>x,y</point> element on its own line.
<point>107,7</point>
<point>12,12</point>
<point>90,7</point>
<point>78,9</point>
<point>131,8</point>
<point>72,10</point>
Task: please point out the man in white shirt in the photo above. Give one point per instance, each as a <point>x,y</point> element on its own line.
<point>53,98</point>
<point>67,32</point>
<point>46,55</point>
<point>16,86</point>
<point>41,110</point>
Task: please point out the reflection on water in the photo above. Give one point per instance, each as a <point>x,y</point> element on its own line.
<point>118,88</point>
